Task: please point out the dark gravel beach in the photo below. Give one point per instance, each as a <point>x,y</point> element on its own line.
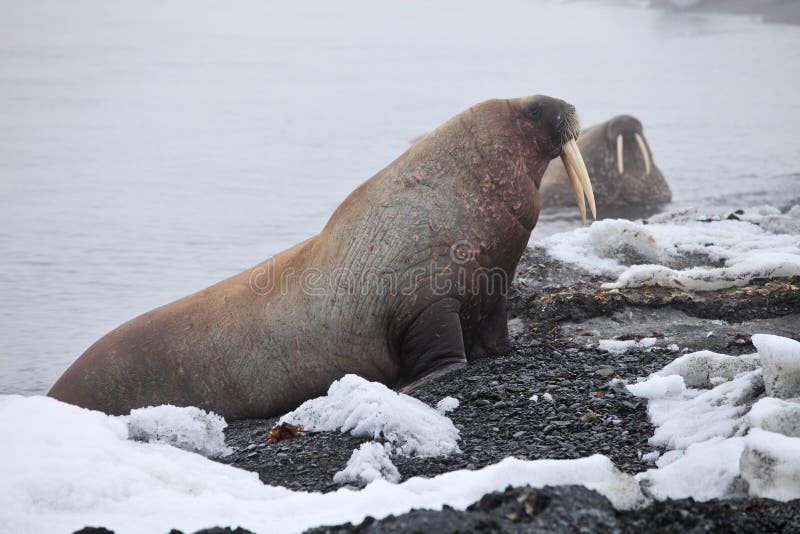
<point>559,314</point>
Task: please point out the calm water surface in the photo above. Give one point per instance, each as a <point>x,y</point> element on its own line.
<point>149,149</point>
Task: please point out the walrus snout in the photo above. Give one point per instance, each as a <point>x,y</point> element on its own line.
<point>556,120</point>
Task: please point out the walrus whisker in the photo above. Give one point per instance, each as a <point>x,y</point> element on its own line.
<point>620,162</point>
<point>643,148</point>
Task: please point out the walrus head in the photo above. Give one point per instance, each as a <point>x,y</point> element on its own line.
<point>620,160</point>
<point>624,129</point>
<point>556,128</point>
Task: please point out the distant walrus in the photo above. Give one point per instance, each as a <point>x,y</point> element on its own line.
<point>407,280</point>
<point>620,163</point>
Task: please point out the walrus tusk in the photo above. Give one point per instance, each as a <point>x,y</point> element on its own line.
<point>620,162</point>
<point>643,148</point>
<point>578,178</point>
<point>588,190</point>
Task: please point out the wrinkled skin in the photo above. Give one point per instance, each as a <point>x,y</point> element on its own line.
<point>459,202</point>
<point>598,144</point>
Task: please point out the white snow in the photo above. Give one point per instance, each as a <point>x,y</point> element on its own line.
<point>776,415</point>
<point>761,265</point>
<point>715,436</point>
<point>187,428</point>
<point>651,457</point>
<point>368,463</point>
<point>699,368</point>
<point>548,397</point>
<point>658,387</point>
<point>706,470</point>
<point>447,404</point>
<point>372,410</point>
<point>780,357</point>
<point>770,464</point>
<point>617,346</point>
<point>67,467</point>
<point>656,253</point>
<point>693,415</point>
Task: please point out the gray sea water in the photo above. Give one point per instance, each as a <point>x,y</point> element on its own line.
<point>151,148</point>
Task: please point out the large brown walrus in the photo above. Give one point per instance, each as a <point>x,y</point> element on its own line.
<point>406,280</point>
<point>620,163</point>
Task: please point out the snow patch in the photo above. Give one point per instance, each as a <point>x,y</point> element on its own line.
<point>368,463</point>
<point>770,464</point>
<point>658,387</point>
<point>67,467</point>
<point>369,409</point>
<point>764,265</point>
<point>447,404</point>
<point>188,428</point>
<point>706,470</point>
<point>776,415</point>
<point>715,437</point>
<point>700,369</point>
<point>692,416</point>
<point>616,346</point>
<point>780,357</point>
<point>685,249</point>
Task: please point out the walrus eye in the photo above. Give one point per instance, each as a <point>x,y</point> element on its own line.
<point>578,178</point>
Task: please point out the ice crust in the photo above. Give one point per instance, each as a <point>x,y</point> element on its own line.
<point>447,404</point>
<point>619,346</point>
<point>369,409</point>
<point>718,436</point>
<point>780,357</point>
<point>368,463</point>
<point>687,249</point>
<point>699,368</point>
<point>187,428</point>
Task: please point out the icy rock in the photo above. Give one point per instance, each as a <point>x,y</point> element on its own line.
<point>698,368</point>
<point>780,357</point>
<point>770,463</point>
<point>776,415</point>
<point>368,463</point>
<point>370,409</point>
<point>188,428</point>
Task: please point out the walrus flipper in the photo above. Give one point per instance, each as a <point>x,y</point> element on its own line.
<point>433,344</point>
<point>491,336</point>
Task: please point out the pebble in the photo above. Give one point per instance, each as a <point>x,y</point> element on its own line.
<point>604,371</point>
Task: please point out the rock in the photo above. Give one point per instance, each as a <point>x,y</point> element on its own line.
<point>604,371</point>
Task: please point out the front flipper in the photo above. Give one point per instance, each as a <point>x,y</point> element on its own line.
<point>433,344</point>
<point>491,336</point>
